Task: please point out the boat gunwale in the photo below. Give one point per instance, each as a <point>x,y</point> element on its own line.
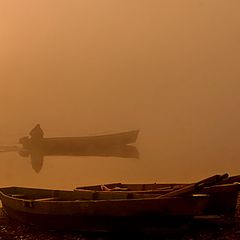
<point>134,132</point>
<point>156,198</point>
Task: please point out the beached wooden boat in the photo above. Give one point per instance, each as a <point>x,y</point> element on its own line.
<point>82,143</point>
<point>222,195</point>
<point>91,211</point>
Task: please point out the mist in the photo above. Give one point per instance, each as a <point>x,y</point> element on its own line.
<point>168,68</point>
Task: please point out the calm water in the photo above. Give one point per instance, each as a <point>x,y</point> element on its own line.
<point>156,164</point>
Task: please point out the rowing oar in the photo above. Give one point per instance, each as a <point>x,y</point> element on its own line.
<point>9,148</point>
<point>231,179</point>
<point>195,186</point>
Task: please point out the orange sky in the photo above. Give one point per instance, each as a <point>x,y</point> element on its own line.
<point>170,68</point>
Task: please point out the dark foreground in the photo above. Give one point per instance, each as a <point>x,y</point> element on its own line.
<point>200,230</point>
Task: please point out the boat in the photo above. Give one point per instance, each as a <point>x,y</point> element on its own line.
<point>90,211</point>
<point>223,191</point>
<point>82,143</point>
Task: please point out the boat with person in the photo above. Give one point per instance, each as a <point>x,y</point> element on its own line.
<point>85,143</point>
<point>90,211</point>
<point>222,190</point>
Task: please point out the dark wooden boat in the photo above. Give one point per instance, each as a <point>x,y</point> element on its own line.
<point>90,211</point>
<point>82,143</point>
<point>223,194</point>
<point>160,188</point>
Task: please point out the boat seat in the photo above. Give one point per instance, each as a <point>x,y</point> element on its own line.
<point>46,199</point>
<point>17,195</point>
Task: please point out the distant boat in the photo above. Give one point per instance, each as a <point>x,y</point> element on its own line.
<point>85,143</point>
<point>87,211</point>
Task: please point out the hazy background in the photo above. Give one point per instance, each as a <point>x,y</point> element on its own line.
<point>169,68</point>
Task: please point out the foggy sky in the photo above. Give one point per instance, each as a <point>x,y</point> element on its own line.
<point>169,68</point>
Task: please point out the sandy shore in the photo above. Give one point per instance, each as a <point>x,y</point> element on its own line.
<point>221,229</point>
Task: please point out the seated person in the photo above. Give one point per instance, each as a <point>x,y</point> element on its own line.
<point>36,133</point>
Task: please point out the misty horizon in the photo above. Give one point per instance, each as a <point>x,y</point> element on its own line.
<point>168,68</point>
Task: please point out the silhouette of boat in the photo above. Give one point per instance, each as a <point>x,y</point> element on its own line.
<point>87,211</point>
<point>86,143</point>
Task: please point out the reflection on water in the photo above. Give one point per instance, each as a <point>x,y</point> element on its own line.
<point>66,170</point>
<point>36,159</point>
<point>37,155</point>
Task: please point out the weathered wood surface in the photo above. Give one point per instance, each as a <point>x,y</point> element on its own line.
<point>94,211</point>
<point>196,186</point>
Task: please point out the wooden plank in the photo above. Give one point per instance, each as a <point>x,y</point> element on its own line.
<point>187,189</point>
<point>211,180</point>
<point>231,179</point>
<point>18,195</point>
<point>195,186</point>
<point>45,199</point>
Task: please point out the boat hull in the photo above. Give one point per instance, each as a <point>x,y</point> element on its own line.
<point>87,143</point>
<point>95,224</point>
<point>78,210</point>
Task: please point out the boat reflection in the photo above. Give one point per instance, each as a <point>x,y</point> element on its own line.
<point>37,155</point>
